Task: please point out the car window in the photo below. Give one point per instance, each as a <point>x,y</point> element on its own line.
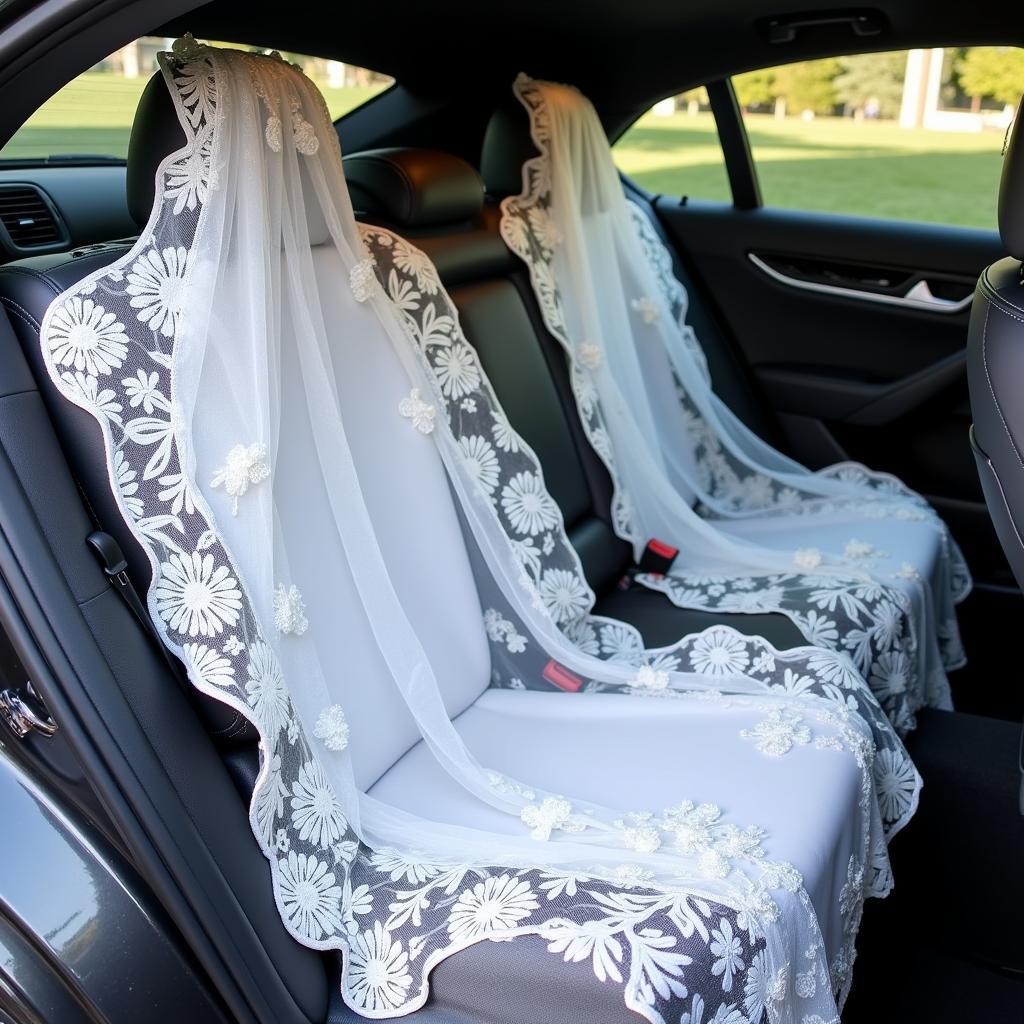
<point>674,149</point>
<point>91,117</point>
<point>910,135</point>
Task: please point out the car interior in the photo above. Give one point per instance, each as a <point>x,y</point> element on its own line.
<point>833,337</point>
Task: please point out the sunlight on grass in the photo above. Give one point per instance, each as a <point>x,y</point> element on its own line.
<point>93,115</point>
<point>830,164</point>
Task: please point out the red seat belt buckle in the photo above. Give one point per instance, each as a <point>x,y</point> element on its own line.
<point>658,557</point>
<point>560,676</point>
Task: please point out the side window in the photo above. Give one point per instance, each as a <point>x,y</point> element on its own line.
<point>908,135</point>
<point>90,119</point>
<point>674,149</point>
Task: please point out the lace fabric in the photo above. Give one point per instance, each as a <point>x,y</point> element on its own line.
<point>204,356</point>
<point>604,284</point>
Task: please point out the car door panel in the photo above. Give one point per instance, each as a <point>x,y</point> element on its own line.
<point>880,382</point>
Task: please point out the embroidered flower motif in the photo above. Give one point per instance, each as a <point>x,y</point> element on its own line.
<point>233,646</point>
<point>156,284</point>
<point>272,133</point>
<point>195,596</point>
<point>719,652</point>
<point>564,594</point>
<point>807,558</point>
<point>289,610</point>
<point>529,507</point>
<point>480,461</point>
<point>641,838</point>
<point>144,389</point>
<point>494,905</point>
<point>187,48</point>
<point>590,355</point>
<point>316,812</point>
<point>304,135</point>
<point>692,825</point>
<point>648,309</point>
<point>101,401</point>
<point>362,279</point>
<point>243,467</point>
<point>501,630</point>
<point>544,228</point>
<point>631,876</point>
<point>907,572</point>
<point>457,370</point>
<point>858,549</point>
<point>726,948</point>
<point>310,897</point>
<point>209,665</point>
<point>332,727</point>
<point>83,335</point>
<point>418,264</point>
<point>378,976</point>
<point>896,781</point>
<point>419,412</point>
<point>553,812</point>
<point>265,689</point>
<point>778,733</point>
<point>650,678</point>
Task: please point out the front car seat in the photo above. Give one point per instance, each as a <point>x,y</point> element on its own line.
<point>995,366</point>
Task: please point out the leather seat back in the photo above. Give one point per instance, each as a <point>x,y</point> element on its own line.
<point>995,366</point>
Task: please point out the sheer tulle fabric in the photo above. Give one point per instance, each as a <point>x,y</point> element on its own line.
<point>685,468</point>
<point>206,356</point>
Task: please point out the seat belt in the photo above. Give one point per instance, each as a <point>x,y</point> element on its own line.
<point>115,566</point>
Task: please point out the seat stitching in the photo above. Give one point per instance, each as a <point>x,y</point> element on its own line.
<point>996,296</point>
<point>21,313</point>
<point>991,389</point>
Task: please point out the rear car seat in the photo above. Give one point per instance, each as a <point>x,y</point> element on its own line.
<point>437,201</point>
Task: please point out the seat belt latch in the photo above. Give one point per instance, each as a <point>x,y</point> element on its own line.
<point>560,676</point>
<point>658,557</point>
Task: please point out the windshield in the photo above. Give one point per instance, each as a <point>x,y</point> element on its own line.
<point>90,119</point>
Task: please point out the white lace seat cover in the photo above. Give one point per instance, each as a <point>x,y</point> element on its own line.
<point>858,561</point>
<point>273,442</point>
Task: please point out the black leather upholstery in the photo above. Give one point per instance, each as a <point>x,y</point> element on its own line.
<point>995,373</point>
<point>507,146</point>
<point>995,366</point>
<point>414,188</point>
<point>1011,191</point>
<point>155,133</point>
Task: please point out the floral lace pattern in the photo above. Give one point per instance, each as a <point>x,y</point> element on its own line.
<point>871,620</point>
<point>510,483</point>
<point>391,919</point>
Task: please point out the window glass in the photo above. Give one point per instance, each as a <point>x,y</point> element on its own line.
<point>910,135</point>
<point>92,115</point>
<point>674,149</point>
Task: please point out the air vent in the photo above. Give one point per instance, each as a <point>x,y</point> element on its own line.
<point>28,218</point>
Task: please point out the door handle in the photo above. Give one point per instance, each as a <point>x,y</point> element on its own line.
<point>919,296</point>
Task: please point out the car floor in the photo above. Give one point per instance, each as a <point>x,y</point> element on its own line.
<point>946,945</point>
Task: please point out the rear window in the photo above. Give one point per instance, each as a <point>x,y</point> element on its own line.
<point>91,117</point>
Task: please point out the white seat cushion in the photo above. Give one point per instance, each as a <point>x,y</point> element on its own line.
<point>637,754</point>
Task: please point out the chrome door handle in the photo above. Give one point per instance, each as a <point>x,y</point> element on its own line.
<point>918,296</point>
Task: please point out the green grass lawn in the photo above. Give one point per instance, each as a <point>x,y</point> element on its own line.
<point>831,164</point>
<point>93,114</point>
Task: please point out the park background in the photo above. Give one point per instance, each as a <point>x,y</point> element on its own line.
<point>912,135</point>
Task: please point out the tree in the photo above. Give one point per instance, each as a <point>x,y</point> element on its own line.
<point>872,76</point>
<point>994,72</point>
<point>807,85</point>
<point>755,88</point>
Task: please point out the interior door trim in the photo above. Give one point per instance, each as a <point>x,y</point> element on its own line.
<point>930,304</point>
